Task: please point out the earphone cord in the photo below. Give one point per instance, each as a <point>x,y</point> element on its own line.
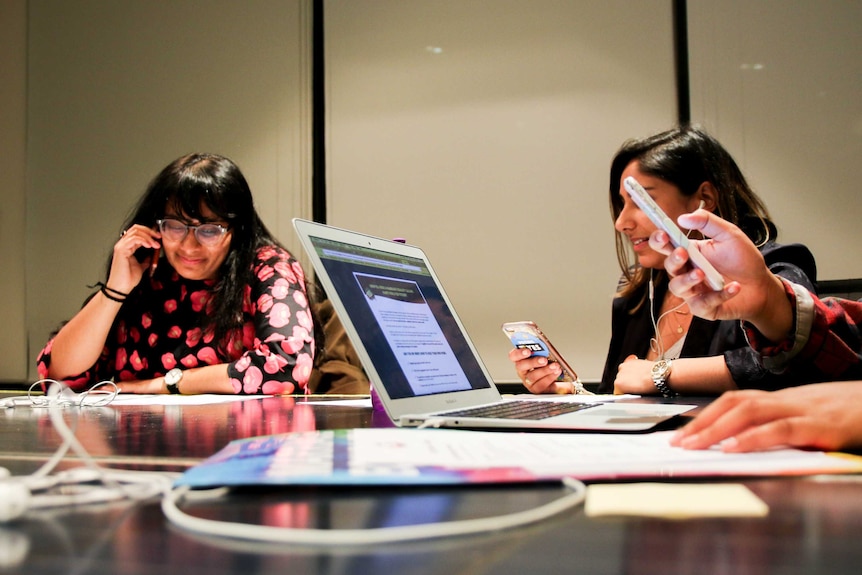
<point>70,441</point>
<point>142,485</point>
<point>77,485</point>
<point>574,496</point>
<point>657,343</point>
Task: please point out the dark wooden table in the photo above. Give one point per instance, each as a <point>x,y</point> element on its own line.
<point>814,524</point>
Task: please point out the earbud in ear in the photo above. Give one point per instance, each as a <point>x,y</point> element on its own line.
<point>14,500</point>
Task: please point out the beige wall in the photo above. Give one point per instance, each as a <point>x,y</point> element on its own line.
<point>13,138</point>
<point>780,82</point>
<point>483,132</point>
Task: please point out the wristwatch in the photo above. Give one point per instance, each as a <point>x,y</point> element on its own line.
<point>172,380</point>
<point>660,372</point>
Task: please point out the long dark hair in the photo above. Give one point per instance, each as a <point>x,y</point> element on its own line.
<point>196,180</point>
<point>687,157</point>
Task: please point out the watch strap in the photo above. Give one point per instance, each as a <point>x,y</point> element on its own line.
<point>663,388</point>
<point>660,373</point>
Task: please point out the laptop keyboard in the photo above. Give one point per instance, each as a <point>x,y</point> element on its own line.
<point>518,409</point>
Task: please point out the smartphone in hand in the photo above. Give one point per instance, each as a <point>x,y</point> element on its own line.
<point>142,254</point>
<point>527,335</point>
<point>645,202</point>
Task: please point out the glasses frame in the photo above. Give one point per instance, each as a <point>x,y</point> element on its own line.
<point>213,242</point>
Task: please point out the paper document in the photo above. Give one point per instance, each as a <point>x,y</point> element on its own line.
<point>440,456</point>
<point>415,337</point>
<point>168,399</point>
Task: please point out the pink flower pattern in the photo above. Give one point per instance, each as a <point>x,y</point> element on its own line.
<point>193,336</point>
<point>279,315</point>
<point>271,354</point>
<point>264,303</point>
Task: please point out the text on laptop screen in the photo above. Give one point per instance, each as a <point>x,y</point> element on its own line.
<point>402,319</point>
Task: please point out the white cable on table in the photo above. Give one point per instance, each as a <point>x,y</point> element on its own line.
<point>19,494</point>
<point>375,536</point>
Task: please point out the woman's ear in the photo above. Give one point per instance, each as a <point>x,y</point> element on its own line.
<point>706,193</point>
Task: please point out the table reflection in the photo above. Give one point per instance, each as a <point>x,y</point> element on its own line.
<point>125,538</point>
<point>184,434</point>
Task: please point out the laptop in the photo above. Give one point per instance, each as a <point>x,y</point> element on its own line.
<point>417,354</point>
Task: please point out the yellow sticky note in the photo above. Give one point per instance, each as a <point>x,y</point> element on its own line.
<point>674,500</point>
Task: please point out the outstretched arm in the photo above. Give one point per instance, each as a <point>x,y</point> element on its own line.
<point>753,293</point>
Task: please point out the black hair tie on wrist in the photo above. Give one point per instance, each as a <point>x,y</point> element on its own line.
<point>110,297</point>
<point>111,293</point>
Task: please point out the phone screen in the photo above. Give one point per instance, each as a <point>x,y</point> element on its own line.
<point>527,335</point>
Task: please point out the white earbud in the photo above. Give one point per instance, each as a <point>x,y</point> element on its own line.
<point>14,499</point>
<point>14,548</point>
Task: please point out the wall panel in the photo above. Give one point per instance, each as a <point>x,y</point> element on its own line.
<point>780,83</point>
<point>483,131</point>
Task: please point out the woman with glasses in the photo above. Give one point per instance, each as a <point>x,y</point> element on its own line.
<point>198,297</point>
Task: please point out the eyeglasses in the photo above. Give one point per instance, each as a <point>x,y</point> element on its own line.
<point>205,234</point>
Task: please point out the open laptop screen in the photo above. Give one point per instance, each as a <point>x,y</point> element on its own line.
<point>401,316</point>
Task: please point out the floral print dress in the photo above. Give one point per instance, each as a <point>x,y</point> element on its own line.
<point>158,328</point>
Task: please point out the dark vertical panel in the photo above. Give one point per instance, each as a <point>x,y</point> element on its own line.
<point>318,116</point>
<point>680,46</point>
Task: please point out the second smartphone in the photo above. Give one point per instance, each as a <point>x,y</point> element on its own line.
<point>527,335</point>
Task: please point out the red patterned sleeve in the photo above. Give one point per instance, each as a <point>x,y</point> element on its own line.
<point>826,338</point>
<point>278,337</point>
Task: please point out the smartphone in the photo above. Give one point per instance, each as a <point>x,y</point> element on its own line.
<point>141,254</point>
<point>677,238</point>
<point>527,335</point>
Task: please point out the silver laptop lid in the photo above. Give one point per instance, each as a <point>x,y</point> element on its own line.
<point>411,342</point>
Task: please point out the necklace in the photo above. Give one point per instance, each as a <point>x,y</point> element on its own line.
<point>657,342</point>
<point>679,312</point>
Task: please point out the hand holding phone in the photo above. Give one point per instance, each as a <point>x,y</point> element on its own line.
<point>142,254</point>
<point>527,335</point>
<point>645,202</point>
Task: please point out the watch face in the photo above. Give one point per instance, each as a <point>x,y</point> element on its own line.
<point>661,368</point>
<point>660,373</point>
<point>173,376</point>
